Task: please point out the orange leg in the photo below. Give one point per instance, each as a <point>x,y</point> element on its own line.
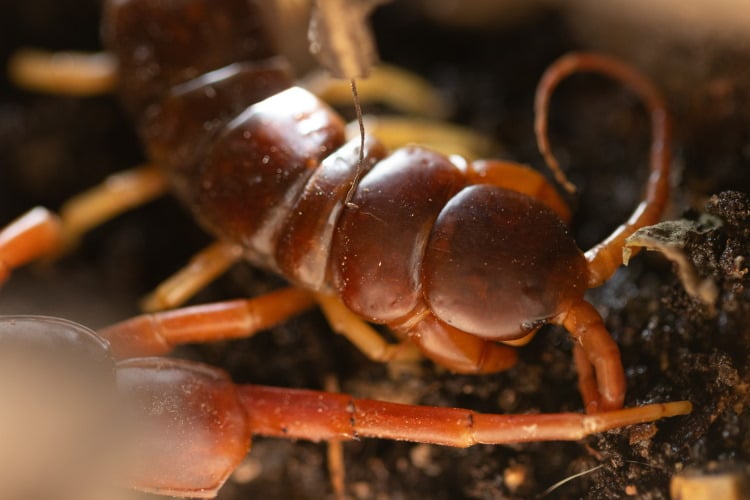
<point>156,334</point>
<point>36,234</point>
<point>601,376</point>
<point>118,193</point>
<point>606,257</point>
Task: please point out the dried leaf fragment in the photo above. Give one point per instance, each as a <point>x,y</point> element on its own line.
<point>670,238</point>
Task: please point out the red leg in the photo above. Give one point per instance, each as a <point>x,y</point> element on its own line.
<point>200,424</point>
<point>606,257</point>
<point>35,234</point>
<point>597,357</point>
<point>156,334</point>
<point>314,415</point>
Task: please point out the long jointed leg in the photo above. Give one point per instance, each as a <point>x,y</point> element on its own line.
<point>314,415</point>
<point>156,334</point>
<point>606,257</point>
<point>39,233</point>
<point>202,411</point>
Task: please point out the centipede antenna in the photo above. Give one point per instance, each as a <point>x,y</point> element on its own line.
<point>361,122</point>
<point>605,257</point>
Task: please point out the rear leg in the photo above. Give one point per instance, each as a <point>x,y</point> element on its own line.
<point>95,73</point>
<point>335,452</point>
<point>87,74</point>
<point>158,332</point>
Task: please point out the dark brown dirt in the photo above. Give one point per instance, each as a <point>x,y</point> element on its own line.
<point>673,347</point>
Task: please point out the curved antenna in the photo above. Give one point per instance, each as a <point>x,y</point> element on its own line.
<point>605,257</point>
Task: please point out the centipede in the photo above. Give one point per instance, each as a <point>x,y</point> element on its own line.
<point>462,260</point>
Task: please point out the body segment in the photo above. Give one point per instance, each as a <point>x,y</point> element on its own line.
<point>269,179</point>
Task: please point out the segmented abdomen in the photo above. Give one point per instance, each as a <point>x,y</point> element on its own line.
<point>266,166</point>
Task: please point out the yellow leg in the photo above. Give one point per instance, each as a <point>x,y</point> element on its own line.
<point>362,335</point>
<point>446,138</point>
<point>87,74</point>
<point>400,89</point>
<point>66,73</point>
<point>203,268</point>
<point>407,93</point>
<point>118,193</point>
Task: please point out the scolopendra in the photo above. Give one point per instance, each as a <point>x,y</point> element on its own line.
<point>440,209</point>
